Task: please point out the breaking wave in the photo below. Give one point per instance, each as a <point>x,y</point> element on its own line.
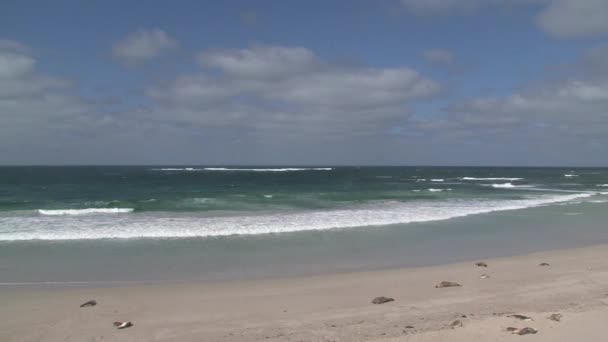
<point>491,178</point>
<point>509,186</point>
<point>242,169</point>
<point>168,225</point>
<point>87,211</point>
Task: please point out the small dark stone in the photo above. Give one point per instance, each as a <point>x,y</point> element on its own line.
<point>89,303</point>
<point>447,284</point>
<point>481,264</point>
<point>544,264</point>
<point>556,317</point>
<point>409,327</point>
<point>526,331</point>
<point>512,329</point>
<point>521,317</point>
<point>456,324</point>
<point>382,300</point>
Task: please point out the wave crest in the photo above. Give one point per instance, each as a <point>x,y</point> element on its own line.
<point>136,226</point>
<point>492,178</point>
<point>87,211</point>
<point>243,169</point>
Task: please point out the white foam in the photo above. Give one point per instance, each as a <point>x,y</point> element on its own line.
<point>87,211</point>
<point>190,169</point>
<point>491,178</point>
<point>269,170</point>
<point>602,185</point>
<point>178,169</point>
<point>175,225</point>
<point>437,180</point>
<point>505,185</point>
<point>570,175</point>
<point>268,196</point>
<point>509,186</point>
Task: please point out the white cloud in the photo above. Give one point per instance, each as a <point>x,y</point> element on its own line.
<point>36,109</point>
<point>440,56</point>
<point>286,90</point>
<point>443,7</point>
<point>573,108</point>
<point>560,18</point>
<point>573,18</point>
<point>260,61</point>
<point>143,45</point>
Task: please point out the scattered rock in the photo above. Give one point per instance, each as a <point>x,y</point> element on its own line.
<point>526,331</point>
<point>123,325</point>
<point>382,300</point>
<point>456,324</point>
<point>555,317</point>
<point>463,316</point>
<point>447,284</point>
<point>484,276</point>
<point>544,264</point>
<point>89,303</point>
<point>481,264</point>
<point>409,327</point>
<point>521,317</point>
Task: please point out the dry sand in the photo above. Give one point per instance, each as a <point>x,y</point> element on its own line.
<point>334,307</point>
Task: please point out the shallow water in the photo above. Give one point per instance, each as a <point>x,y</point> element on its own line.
<point>316,220</point>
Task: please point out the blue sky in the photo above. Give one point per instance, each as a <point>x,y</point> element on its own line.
<point>469,82</point>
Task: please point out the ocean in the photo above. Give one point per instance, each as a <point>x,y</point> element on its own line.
<point>123,224</point>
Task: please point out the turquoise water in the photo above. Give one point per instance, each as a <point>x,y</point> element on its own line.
<point>114,224</point>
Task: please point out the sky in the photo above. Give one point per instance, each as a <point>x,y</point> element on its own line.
<point>387,82</point>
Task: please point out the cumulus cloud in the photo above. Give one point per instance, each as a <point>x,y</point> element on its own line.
<point>143,45</point>
<point>573,109</point>
<point>560,18</point>
<point>572,18</point>
<point>443,7</point>
<point>35,107</point>
<point>439,56</point>
<point>289,89</point>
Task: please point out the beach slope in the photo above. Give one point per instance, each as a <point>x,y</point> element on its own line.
<point>335,307</point>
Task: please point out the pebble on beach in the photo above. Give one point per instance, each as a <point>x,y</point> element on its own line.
<point>382,300</point>
<point>89,303</point>
<point>447,284</point>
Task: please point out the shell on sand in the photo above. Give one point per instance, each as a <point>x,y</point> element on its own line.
<point>456,324</point>
<point>521,317</point>
<point>123,325</point>
<point>555,317</point>
<point>526,331</point>
<point>447,284</point>
<point>382,300</point>
<point>89,303</point>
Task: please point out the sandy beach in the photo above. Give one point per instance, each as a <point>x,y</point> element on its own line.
<point>334,307</point>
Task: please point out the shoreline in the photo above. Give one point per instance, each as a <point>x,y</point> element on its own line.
<point>329,306</point>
